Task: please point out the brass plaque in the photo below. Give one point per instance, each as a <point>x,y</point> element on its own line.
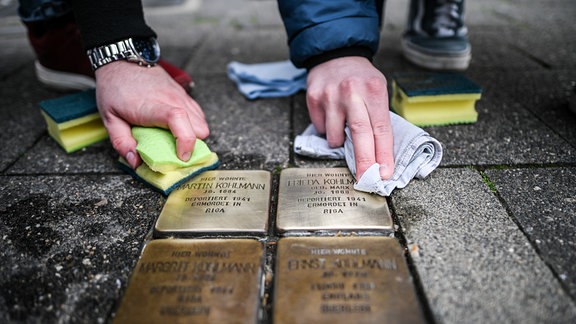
<point>195,281</point>
<point>343,280</point>
<point>216,202</point>
<point>325,199</point>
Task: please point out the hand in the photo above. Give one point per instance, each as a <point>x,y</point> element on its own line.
<point>128,94</point>
<point>351,90</point>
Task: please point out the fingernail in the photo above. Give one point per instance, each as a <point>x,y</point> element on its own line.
<point>186,156</point>
<point>384,172</point>
<point>131,158</point>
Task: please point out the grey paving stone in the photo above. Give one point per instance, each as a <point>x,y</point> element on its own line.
<point>548,103</point>
<point>245,46</point>
<point>506,132</point>
<point>244,132</point>
<point>543,201</point>
<point>68,245</point>
<point>20,119</point>
<point>47,157</point>
<point>545,30</point>
<point>474,263</point>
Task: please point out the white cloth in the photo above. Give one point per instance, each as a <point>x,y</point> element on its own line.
<point>416,155</point>
<point>267,80</point>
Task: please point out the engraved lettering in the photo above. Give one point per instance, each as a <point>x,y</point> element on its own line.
<point>239,185</point>
<point>229,267</point>
<point>174,289</point>
<point>184,310</point>
<point>345,296</point>
<point>195,185</point>
<point>342,251</point>
<point>214,210</point>
<point>328,286</point>
<point>181,254</point>
<point>304,264</point>
<point>212,254</point>
<point>380,264</point>
<point>340,181</point>
<point>186,298</point>
<point>302,182</point>
<point>168,266</point>
<point>345,308</point>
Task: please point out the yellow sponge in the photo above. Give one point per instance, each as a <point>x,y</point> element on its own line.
<point>161,168</point>
<point>428,99</point>
<point>73,120</point>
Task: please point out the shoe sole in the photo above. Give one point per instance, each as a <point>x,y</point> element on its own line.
<point>63,80</point>
<point>457,62</point>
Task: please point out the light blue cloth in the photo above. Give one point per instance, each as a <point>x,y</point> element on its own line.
<point>267,80</point>
<point>416,155</point>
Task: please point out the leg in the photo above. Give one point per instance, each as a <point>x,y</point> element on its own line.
<point>436,36</point>
<point>61,59</point>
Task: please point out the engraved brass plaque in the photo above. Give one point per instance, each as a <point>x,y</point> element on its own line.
<point>216,202</point>
<point>325,199</point>
<point>195,281</point>
<point>343,280</point>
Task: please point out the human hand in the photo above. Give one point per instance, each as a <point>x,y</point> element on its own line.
<point>351,90</point>
<point>128,94</point>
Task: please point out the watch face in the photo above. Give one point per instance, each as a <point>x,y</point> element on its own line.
<point>147,48</point>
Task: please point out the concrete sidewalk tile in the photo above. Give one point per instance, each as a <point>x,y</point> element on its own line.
<point>543,201</point>
<point>20,119</point>
<point>47,157</point>
<point>473,262</point>
<point>244,46</point>
<point>546,95</point>
<point>68,244</point>
<point>242,127</point>
<point>506,132</point>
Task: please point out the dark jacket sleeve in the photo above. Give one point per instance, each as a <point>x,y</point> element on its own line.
<point>103,22</point>
<point>319,30</point>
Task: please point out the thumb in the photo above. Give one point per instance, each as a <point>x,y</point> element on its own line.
<point>121,138</point>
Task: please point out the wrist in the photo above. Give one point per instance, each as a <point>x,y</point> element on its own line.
<point>361,51</point>
<point>142,51</point>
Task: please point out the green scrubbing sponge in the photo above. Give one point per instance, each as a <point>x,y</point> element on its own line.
<point>427,99</point>
<point>73,120</point>
<point>162,169</point>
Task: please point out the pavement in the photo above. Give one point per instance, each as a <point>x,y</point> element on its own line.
<point>490,235</point>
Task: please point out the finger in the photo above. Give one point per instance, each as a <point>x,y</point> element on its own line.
<point>180,126</point>
<point>361,132</point>
<point>120,134</point>
<point>198,120</point>
<point>186,124</point>
<point>335,123</point>
<point>316,110</point>
<point>378,111</point>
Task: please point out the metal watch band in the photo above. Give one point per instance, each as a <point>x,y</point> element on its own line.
<point>122,50</point>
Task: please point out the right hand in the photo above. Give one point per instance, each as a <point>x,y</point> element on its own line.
<point>351,90</point>
<point>128,94</point>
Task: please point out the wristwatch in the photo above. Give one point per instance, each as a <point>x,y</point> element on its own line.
<point>143,51</point>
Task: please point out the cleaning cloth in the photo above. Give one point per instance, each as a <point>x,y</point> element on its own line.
<point>267,80</point>
<point>416,155</point>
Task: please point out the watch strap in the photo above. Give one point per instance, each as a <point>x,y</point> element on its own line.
<point>122,50</point>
